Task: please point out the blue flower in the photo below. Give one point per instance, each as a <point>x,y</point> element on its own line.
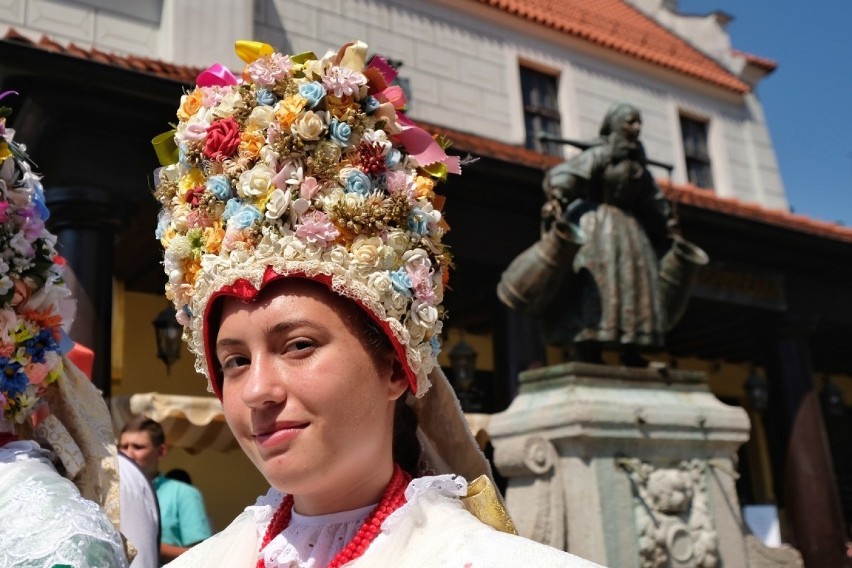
<point>418,222</point>
<point>339,132</point>
<point>37,346</point>
<point>359,182</point>
<point>266,97</point>
<point>313,92</point>
<point>371,104</point>
<point>401,282</point>
<point>182,150</point>
<point>435,344</point>
<point>393,158</point>
<point>220,186</point>
<point>232,207</point>
<point>38,199</point>
<point>13,380</point>
<point>162,225</point>
<point>246,217</point>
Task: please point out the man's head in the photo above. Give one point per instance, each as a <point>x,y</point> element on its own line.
<point>143,441</point>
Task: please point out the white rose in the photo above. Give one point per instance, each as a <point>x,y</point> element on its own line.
<point>255,182</point>
<point>423,314</point>
<point>397,240</point>
<point>295,249</point>
<point>381,283</point>
<point>416,256</point>
<point>179,219</point>
<point>337,255</point>
<point>278,204</point>
<point>417,333</point>
<point>261,117</point>
<point>227,104</point>
<point>269,156</point>
<point>365,250</point>
<point>396,304</point>
<point>309,126</point>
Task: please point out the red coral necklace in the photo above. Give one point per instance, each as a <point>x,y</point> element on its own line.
<point>392,499</point>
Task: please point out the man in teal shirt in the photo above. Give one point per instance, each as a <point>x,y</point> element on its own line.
<point>183,519</point>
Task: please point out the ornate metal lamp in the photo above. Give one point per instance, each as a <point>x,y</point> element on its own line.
<point>168,332</point>
<point>463,363</point>
<point>757,391</point>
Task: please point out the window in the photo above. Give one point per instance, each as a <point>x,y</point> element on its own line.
<point>698,170</point>
<point>541,109</point>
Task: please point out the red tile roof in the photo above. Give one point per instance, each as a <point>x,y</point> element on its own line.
<point>467,142</point>
<point>616,25</point>
<point>681,194</point>
<point>182,73</point>
<point>767,64</point>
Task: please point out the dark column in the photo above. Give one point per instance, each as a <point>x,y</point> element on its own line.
<point>84,221</point>
<point>808,489</point>
<point>517,347</point>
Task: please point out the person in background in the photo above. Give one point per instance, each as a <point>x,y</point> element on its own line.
<point>179,474</point>
<point>183,519</point>
<point>140,514</point>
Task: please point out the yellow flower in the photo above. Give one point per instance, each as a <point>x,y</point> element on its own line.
<point>288,110</point>
<point>423,187</point>
<point>191,269</point>
<point>4,151</point>
<point>191,180</point>
<point>167,237</point>
<point>213,237</point>
<point>189,104</point>
<point>251,143</point>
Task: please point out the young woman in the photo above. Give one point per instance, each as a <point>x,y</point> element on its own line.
<point>303,247</point>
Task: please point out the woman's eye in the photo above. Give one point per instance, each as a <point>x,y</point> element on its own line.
<point>234,362</point>
<point>299,345</point>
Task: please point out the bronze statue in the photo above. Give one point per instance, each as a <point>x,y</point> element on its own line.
<point>595,278</point>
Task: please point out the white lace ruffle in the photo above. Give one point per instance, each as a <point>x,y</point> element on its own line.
<point>45,520</point>
<point>308,542</point>
<point>311,542</point>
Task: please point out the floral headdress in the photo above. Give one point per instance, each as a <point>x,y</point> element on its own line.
<point>305,166</point>
<point>35,303</point>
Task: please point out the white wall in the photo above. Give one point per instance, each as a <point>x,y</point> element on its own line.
<point>462,62</point>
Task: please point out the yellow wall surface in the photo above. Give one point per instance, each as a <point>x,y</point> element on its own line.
<point>228,480</point>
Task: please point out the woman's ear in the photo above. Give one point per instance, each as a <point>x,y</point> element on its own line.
<point>398,380</point>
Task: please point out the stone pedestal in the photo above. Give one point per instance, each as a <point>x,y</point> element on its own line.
<point>630,468</point>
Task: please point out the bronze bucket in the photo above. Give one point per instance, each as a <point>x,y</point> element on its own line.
<point>536,275</point>
<point>678,269</point>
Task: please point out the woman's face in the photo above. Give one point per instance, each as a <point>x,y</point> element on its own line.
<point>308,401</point>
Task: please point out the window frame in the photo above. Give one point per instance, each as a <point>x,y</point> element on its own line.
<point>695,137</point>
<point>540,104</point>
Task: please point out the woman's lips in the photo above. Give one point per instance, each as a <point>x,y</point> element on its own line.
<point>279,433</point>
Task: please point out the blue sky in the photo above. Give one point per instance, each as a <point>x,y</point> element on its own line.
<point>808,99</point>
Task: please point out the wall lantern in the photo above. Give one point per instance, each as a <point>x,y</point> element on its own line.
<point>168,332</point>
<point>831,398</point>
<point>757,391</point>
<point>463,363</point>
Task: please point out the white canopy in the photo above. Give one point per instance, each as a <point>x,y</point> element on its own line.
<point>193,423</point>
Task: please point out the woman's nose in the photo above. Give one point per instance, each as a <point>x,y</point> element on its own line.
<point>264,385</point>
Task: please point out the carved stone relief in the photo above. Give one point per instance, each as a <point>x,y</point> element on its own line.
<point>674,524</point>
